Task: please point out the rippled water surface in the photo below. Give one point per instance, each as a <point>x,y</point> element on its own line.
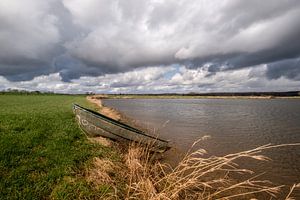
<point>234,125</point>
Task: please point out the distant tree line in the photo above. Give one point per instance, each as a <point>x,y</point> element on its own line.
<point>34,92</point>
<point>17,91</point>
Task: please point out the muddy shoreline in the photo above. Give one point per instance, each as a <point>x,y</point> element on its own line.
<point>115,114</point>
<point>110,112</point>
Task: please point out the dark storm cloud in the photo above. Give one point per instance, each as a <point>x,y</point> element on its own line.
<point>286,68</point>
<point>90,38</point>
<point>29,39</point>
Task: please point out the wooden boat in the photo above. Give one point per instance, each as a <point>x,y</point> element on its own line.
<point>96,124</point>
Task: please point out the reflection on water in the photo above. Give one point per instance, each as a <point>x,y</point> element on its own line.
<point>234,125</point>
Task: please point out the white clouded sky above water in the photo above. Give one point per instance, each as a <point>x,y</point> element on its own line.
<point>150,46</point>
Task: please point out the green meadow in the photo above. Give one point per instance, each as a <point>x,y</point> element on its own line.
<point>43,153</point>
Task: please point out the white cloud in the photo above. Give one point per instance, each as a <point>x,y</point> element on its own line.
<point>156,80</point>
<point>27,30</point>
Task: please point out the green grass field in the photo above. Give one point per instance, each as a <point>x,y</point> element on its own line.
<point>42,150</point>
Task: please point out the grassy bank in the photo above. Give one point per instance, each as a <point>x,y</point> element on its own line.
<point>43,153</point>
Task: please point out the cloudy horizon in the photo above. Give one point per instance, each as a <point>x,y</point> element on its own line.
<point>151,46</point>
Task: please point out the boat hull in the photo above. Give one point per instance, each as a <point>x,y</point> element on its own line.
<point>95,124</point>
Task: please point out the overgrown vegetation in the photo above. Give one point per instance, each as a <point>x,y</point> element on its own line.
<point>199,177</point>
<point>43,153</point>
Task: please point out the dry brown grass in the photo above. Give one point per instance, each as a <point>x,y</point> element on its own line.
<point>101,140</point>
<point>196,176</point>
<point>289,195</point>
<point>98,173</point>
<point>110,112</point>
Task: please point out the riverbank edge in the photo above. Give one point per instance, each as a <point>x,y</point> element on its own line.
<point>132,154</point>
<point>112,112</point>
<point>107,171</point>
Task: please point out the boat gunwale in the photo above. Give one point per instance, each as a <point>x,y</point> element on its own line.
<point>117,123</point>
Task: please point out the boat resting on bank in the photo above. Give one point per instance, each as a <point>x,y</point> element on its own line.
<point>95,124</point>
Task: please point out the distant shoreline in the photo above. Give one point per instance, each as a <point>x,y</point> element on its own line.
<point>142,96</point>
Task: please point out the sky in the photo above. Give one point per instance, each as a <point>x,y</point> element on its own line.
<point>150,46</point>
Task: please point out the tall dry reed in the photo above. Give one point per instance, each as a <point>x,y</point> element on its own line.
<point>197,176</point>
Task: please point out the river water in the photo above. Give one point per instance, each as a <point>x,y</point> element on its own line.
<point>233,124</point>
